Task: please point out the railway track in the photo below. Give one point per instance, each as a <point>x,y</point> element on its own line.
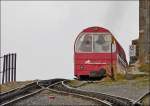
<point>59,86</point>
<point>26,91</point>
<point>106,99</point>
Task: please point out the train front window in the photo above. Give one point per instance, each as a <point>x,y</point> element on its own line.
<point>102,43</point>
<point>94,42</point>
<point>84,43</point>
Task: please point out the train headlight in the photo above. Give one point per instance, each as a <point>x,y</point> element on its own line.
<point>81,67</point>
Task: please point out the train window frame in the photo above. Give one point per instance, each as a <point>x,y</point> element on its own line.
<point>78,45</point>
<point>92,34</point>
<point>101,43</point>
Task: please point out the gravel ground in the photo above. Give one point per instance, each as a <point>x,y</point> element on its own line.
<point>46,97</point>
<point>132,89</point>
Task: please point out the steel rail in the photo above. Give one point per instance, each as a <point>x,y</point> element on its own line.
<point>20,93</point>
<point>59,86</point>
<point>118,97</point>
<point>114,100</point>
<point>21,97</point>
<point>12,90</point>
<point>102,102</point>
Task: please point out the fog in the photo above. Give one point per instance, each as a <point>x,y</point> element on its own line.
<point>42,33</point>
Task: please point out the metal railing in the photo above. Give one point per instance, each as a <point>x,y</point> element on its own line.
<point>8,68</point>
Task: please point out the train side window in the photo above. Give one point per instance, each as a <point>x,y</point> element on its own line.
<point>122,56</point>
<point>113,47</point>
<point>84,43</point>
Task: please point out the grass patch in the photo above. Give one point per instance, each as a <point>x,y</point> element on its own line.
<point>138,82</point>
<point>120,77</point>
<point>75,83</point>
<point>145,68</point>
<point>141,82</point>
<point>12,85</point>
<point>146,101</point>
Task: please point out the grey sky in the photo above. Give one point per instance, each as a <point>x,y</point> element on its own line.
<point>42,33</point>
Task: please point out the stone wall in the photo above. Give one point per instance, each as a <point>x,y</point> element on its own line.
<point>144,35</point>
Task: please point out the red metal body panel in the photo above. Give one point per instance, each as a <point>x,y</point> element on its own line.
<point>84,63</point>
<point>95,29</point>
<point>97,61</point>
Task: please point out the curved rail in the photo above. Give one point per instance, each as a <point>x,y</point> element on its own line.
<point>12,90</point>
<point>59,86</point>
<point>113,96</point>
<point>25,91</point>
<point>103,103</point>
<point>113,100</point>
<point>21,97</point>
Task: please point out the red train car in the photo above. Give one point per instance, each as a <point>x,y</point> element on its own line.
<point>97,53</point>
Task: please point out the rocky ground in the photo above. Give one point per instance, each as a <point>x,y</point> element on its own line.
<point>50,98</point>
